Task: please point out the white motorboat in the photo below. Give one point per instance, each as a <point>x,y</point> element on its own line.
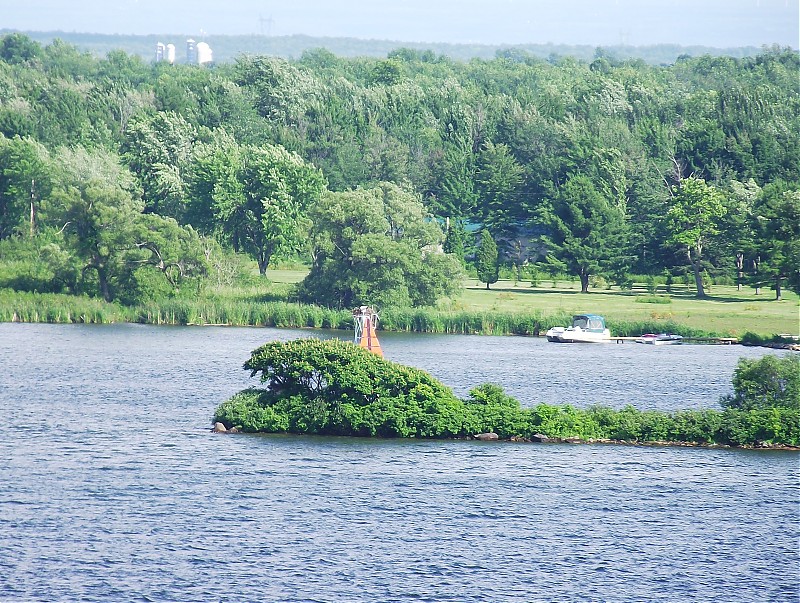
<point>586,328</point>
<point>660,339</point>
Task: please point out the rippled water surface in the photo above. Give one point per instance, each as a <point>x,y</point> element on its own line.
<point>113,489</point>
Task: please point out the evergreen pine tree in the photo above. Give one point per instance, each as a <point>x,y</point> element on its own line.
<point>486,260</point>
<point>455,241</point>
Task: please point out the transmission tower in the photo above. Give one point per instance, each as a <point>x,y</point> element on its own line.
<point>268,22</point>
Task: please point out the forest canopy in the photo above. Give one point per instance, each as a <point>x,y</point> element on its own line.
<point>126,179</point>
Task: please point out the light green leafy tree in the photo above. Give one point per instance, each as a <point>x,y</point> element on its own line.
<point>18,48</point>
<point>777,234</point>
<point>693,219</point>
<point>377,246</point>
<point>92,201</point>
<point>161,244</point>
<point>158,150</point>
<point>768,382</point>
<point>739,227</point>
<point>102,225</point>
<point>281,91</point>
<point>258,196</point>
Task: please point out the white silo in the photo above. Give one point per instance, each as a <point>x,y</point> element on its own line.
<point>191,52</point>
<point>170,55</point>
<point>204,54</point>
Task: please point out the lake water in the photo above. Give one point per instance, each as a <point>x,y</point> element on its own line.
<point>112,488</point>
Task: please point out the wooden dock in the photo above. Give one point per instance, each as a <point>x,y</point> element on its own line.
<point>708,340</point>
<point>713,340</point>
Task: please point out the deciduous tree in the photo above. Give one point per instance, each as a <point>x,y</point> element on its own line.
<point>377,246</point>
<point>777,228</point>
<point>158,150</point>
<point>92,201</point>
<point>693,219</point>
<point>256,195</point>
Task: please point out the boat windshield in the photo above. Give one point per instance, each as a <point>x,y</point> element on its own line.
<point>580,321</point>
<point>588,323</point>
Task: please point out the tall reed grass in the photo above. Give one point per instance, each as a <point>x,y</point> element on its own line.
<point>633,328</point>
<point>50,307</point>
<point>460,322</point>
<point>58,308</point>
<point>242,313</point>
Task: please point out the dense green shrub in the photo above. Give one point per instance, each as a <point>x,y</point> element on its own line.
<point>766,383</point>
<point>701,426</point>
<point>246,410</point>
<point>747,427</point>
<point>37,264</point>
<point>334,387</point>
<point>753,339</point>
<point>489,408</point>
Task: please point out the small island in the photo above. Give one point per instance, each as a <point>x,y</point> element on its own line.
<point>334,387</point>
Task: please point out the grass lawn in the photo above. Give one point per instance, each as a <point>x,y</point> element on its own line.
<point>726,310</point>
<point>286,276</point>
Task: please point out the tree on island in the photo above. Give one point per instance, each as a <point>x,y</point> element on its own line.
<point>486,260</point>
<point>769,382</point>
<point>334,387</point>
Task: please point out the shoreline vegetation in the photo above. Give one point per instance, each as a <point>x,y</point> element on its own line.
<point>505,310</point>
<point>542,439</point>
<point>335,388</point>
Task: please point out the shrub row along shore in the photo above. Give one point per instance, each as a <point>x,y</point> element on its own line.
<point>59,308</point>
<point>331,387</point>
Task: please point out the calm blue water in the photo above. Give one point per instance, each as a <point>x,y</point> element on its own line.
<point>113,489</point>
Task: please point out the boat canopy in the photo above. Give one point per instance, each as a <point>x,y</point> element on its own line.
<point>589,322</point>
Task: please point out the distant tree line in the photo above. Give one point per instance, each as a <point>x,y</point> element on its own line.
<point>227,48</point>
<point>126,179</point>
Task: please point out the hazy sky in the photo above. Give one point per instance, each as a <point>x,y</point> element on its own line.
<point>719,23</point>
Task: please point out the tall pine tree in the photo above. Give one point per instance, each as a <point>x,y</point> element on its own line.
<point>486,259</point>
